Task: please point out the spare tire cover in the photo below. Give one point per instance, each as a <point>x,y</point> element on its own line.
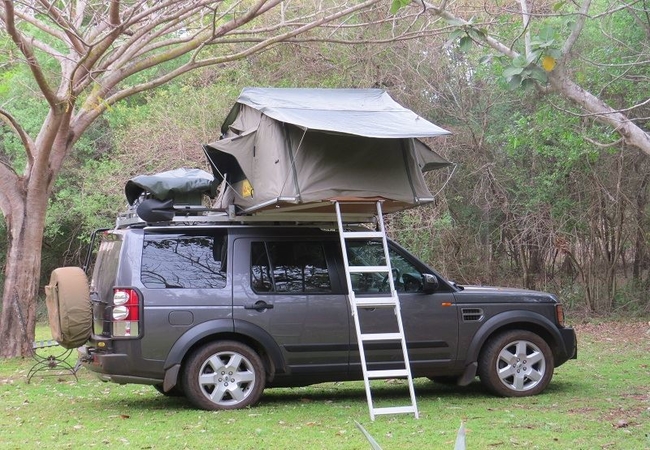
<point>68,306</point>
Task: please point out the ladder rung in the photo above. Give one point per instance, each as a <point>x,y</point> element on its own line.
<point>395,410</point>
<point>362,234</point>
<point>391,373</point>
<point>375,302</point>
<point>368,269</point>
<point>381,337</point>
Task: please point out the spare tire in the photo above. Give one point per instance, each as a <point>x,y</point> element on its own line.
<point>68,306</point>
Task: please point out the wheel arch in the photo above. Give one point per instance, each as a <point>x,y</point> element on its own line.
<point>223,329</point>
<point>514,320</point>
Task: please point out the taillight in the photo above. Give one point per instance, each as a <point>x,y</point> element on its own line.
<point>126,312</point>
<point>559,314</point>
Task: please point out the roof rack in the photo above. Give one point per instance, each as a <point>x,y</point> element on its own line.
<point>325,214</point>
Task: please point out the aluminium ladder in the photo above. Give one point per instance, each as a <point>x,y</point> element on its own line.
<point>386,301</point>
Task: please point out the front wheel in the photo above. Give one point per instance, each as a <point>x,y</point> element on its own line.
<point>516,363</point>
<point>224,375</point>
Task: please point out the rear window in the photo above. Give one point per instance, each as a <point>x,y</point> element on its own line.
<point>184,261</point>
<point>289,267</point>
<point>106,263</point>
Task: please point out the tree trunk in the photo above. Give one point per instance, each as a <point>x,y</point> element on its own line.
<point>22,274</point>
<point>24,206</point>
<point>640,252</point>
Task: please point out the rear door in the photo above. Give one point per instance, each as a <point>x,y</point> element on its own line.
<point>184,282</point>
<point>288,287</point>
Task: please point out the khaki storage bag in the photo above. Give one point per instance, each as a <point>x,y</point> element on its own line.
<point>68,306</point>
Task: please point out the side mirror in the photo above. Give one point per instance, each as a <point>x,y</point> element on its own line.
<point>430,282</point>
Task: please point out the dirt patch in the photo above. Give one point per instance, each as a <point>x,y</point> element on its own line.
<point>631,332</point>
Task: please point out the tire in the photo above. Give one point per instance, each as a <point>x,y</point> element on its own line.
<point>516,363</point>
<point>68,306</point>
<point>224,375</point>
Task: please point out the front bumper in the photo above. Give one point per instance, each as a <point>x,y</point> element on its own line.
<point>570,344</point>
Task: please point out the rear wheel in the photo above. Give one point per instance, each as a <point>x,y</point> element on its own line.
<point>516,363</point>
<point>224,375</point>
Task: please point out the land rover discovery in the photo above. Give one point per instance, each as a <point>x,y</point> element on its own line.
<point>218,312</point>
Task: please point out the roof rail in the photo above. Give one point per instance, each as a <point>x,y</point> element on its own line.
<point>185,216</point>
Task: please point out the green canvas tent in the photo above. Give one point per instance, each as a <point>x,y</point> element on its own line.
<point>296,149</point>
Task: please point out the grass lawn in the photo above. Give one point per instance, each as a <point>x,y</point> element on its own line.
<point>599,401</point>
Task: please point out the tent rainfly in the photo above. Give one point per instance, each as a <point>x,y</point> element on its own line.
<point>298,149</point>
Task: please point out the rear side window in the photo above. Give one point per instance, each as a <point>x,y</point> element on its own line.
<point>105,271</point>
<point>289,267</point>
<point>184,261</point>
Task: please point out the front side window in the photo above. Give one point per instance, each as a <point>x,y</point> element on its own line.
<point>289,267</point>
<point>183,262</point>
<point>407,278</point>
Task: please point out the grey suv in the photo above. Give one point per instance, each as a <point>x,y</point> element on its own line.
<point>218,312</point>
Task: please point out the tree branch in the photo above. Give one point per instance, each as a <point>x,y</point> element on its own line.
<point>68,28</point>
<point>114,13</point>
<point>602,112</point>
<point>57,34</point>
<point>139,43</point>
<point>601,144</point>
<point>576,31</point>
<point>27,51</point>
<point>113,78</point>
<point>525,15</point>
<point>494,43</point>
<point>95,104</point>
<point>8,188</point>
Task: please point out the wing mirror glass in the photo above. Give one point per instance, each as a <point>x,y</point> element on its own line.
<point>431,283</point>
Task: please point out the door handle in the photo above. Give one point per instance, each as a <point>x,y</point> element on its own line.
<point>259,306</point>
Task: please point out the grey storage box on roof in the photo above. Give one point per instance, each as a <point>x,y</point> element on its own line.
<point>283,147</point>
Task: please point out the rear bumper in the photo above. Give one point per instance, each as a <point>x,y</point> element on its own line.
<point>113,367</point>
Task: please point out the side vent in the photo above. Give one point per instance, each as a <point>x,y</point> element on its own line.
<point>472,314</point>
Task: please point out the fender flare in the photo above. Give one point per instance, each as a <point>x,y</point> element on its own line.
<point>507,318</point>
<point>229,327</point>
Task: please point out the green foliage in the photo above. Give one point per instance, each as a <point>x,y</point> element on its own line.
<point>542,152</point>
<point>422,232</point>
<point>466,34</point>
<point>613,48</point>
<point>526,70</point>
<point>84,201</point>
<point>396,5</point>
<point>18,95</point>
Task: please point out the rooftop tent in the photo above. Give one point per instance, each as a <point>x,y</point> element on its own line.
<point>297,148</point>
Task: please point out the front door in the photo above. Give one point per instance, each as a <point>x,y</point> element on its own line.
<point>430,320</point>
